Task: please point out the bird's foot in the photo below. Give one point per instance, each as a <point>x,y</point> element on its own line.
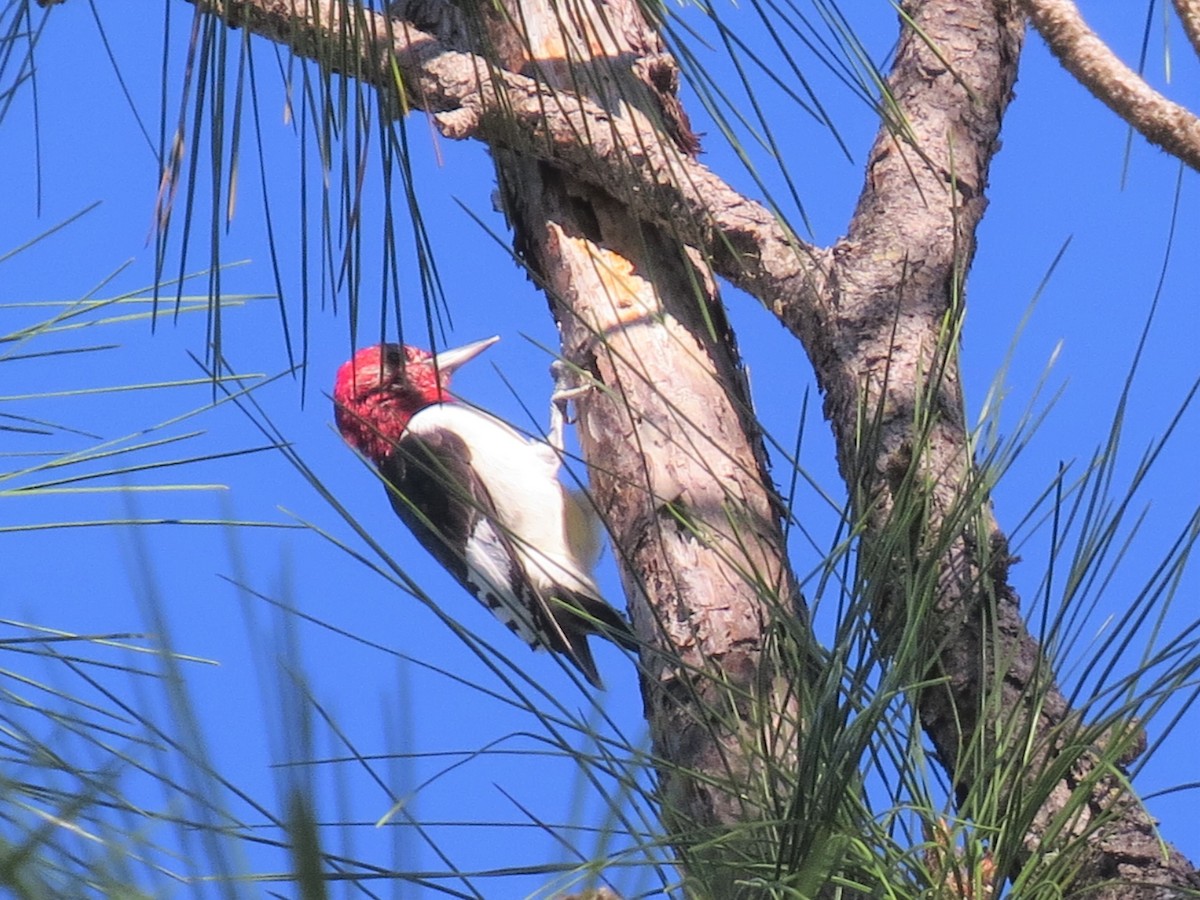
<point>566,389</point>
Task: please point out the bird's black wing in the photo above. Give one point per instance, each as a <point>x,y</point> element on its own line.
<point>435,491</point>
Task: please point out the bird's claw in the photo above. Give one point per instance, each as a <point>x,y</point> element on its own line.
<point>565,390</point>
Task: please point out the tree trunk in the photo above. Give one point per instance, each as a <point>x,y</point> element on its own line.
<point>888,355</point>
<point>677,465</point>
<point>676,462</point>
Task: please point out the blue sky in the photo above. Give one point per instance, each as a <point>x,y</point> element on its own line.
<point>1063,175</point>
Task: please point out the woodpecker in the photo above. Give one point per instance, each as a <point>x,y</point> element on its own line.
<point>482,498</point>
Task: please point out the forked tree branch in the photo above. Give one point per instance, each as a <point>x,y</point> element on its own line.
<point>1162,122</point>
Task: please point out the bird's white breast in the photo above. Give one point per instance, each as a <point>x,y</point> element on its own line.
<point>521,476</point>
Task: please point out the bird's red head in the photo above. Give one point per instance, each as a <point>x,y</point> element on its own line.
<point>385,385</point>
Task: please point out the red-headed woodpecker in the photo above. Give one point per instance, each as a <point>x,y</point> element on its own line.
<point>481,497</point>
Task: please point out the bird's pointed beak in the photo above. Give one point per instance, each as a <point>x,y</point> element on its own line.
<point>449,360</point>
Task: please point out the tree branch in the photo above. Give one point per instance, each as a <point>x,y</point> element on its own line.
<point>1189,15</point>
<point>1160,121</point>
<point>745,242</point>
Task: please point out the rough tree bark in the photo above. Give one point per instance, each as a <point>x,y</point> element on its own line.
<point>618,225</point>
<point>883,356</point>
